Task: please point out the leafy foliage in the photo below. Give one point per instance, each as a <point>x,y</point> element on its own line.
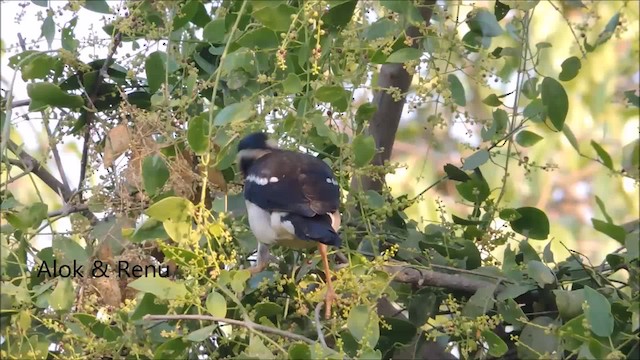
<point>159,243</point>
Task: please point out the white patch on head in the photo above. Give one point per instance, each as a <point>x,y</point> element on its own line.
<point>273,179</point>
<point>251,154</point>
<point>332,181</point>
<point>272,144</point>
<point>257,180</point>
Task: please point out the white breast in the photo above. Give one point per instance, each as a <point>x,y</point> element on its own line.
<point>268,228</point>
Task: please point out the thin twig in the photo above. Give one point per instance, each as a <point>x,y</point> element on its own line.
<point>319,325</point>
<point>56,155</point>
<point>252,326</point>
<point>68,209</point>
<point>90,115</point>
<point>20,103</point>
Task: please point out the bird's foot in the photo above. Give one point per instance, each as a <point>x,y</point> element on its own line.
<point>329,298</point>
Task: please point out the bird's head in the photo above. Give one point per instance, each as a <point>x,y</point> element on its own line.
<point>251,148</point>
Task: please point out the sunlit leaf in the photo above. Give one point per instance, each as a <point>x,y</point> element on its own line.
<point>364,149</point>
<point>171,208</point>
<point>63,296</point>
<point>477,159</point>
<point>492,100</point>
<point>527,138</point>
<point>484,22</point>
<point>237,112</point>
<point>497,346</point>
<point>603,155</point>
<point>457,90</point>
<point>614,231</point>
<point>48,29</point>
<point>403,55</point>
<point>45,93</point>
<point>155,174</point>
<point>275,18</point>
<point>214,31</point>
<point>198,134</point>
<point>162,288</point>
<point>216,304</point>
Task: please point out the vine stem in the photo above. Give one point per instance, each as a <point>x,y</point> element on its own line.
<point>514,113</point>
<point>206,158</point>
<point>250,325</point>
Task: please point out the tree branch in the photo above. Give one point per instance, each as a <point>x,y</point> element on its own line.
<point>246,324</point>
<point>384,123</point>
<point>423,277</point>
<point>29,164</point>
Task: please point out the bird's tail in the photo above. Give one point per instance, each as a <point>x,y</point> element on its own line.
<point>317,228</point>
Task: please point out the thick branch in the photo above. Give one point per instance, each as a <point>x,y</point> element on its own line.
<point>422,277</point>
<point>246,324</point>
<point>29,164</point>
<point>384,124</point>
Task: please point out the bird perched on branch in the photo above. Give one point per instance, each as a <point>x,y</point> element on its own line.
<point>292,200</point>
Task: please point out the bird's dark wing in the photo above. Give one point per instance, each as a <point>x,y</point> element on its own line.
<point>292,182</point>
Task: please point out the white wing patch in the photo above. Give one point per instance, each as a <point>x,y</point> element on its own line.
<point>332,181</point>
<point>258,180</point>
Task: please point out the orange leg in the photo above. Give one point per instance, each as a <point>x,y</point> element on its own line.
<point>331,294</point>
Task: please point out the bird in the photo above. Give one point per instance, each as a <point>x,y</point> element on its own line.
<point>292,200</point>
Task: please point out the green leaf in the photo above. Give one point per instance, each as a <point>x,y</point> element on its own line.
<point>404,55</point>
<point>492,100</point>
<point>275,18</point>
<point>292,84</point>
<point>187,11</point>
<point>533,223</point>
<point>43,3</point>
<point>381,28</point>
<point>615,232</point>
<point>201,334</point>
<point>473,41</point>
<point>198,134</point>
<point>603,155</point>
<point>48,29</point>
<point>536,339</point>
<point>501,10</point>
<point>554,97</point>
<point>457,90</point>
<point>570,68</point>
<point>535,111</point>
<point>511,312</point>
<point>364,113</point>
<point>99,6</point>
<point>29,217</point>
<point>475,190</point>
<point>509,214</point>
<point>214,31</point>
<point>364,149</point>
<point>69,250</point>
<point>484,22</point>
<point>260,38</point>
<point>571,137</point>
<point>154,174</point>
<point>299,351</point>
<point>63,296</point>
<point>540,273</point>
<point>497,346</point>
<point>480,302</point>
<point>330,93</point>
<point>363,322</point>
<point>598,312</point>
<point>603,209</point>
<point>155,69</point>
<point>543,45</point>
<point>512,291</point>
<point>45,93</point>
<point>171,208</point>
<point>162,288</point>
<point>527,138</point>
<point>405,8</point>
<point>474,161</point>
<point>632,98</point>
<point>216,304</point>
<point>608,31</point>
<point>455,173</point>
<point>237,112</point>
<point>239,280</point>
<point>569,303</point>
<point>530,88</point>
